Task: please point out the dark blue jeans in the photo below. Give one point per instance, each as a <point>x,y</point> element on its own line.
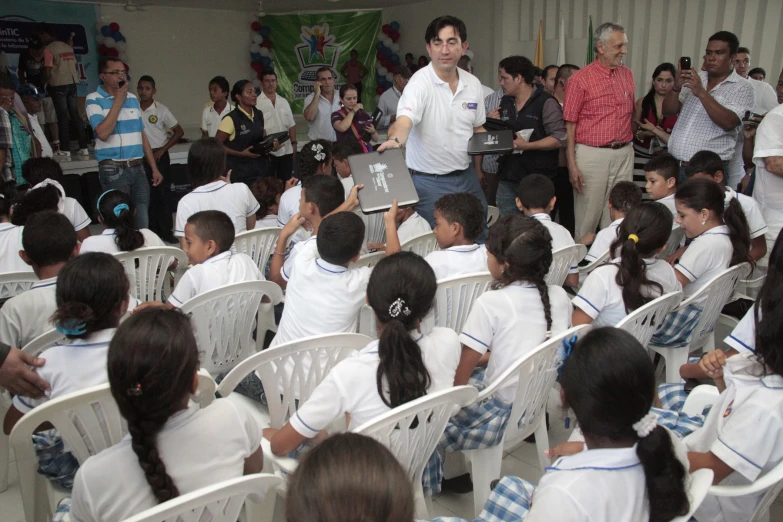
<point>64,99</point>
<point>132,181</point>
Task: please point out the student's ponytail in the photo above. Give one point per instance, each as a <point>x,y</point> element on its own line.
<point>526,245</point>
<point>401,291</point>
<point>38,200</point>
<point>768,313</point>
<point>609,382</point>
<point>116,210</point>
<point>739,233</point>
<point>642,234</point>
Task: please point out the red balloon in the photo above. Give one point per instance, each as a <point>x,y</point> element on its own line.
<point>394,36</point>
<point>258,67</point>
<point>114,53</point>
<point>114,26</point>
<point>255,26</point>
<point>102,50</point>
<point>379,56</point>
<point>267,44</point>
<point>127,67</point>
<point>379,90</point>
<point>386,29</point>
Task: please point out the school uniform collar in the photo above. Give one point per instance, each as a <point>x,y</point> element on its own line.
<point>720,230</point>
<point>616,222</point>
<point>463,248</point>
<point>223,256</point>
<point>154,105</point>
<point>227,108</point>
<point>667,198</point>
<point>211,187</point>
<point>372,348</point>
<point>329,267</point>
<point>541,216</point>
<point>647,261</point>
<point>95,339</point>
<point>614,459</point>
<point>43,283</point>
<point>4,227</point>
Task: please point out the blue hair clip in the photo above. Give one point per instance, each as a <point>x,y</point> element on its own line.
<point>564,352</point>
<point>119,208</point>
<point>98,204</point>
<point>71,328</point>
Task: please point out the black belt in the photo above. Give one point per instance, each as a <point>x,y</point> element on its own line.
<point>614,145</point>
<point>682,163</point>
<point>126,163</point>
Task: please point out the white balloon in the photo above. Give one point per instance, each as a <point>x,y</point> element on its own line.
<point>265,51</point>
<point>469,53</point>
<point>123,57</point>
<point>388,42</point>
<point>395,47</point>
<point>109,42</point>
<point>389,77</point>
<point>381,36</point>
<point>121,46</point>
<point>257,83</point>
<point>255,48</point>
<point>382,70</point>
<point>258,39</point>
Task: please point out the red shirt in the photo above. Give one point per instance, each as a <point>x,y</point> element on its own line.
<point>601,103</point>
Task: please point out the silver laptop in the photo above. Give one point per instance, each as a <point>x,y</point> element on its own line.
<point>385,177</point>
<point>491,142</point>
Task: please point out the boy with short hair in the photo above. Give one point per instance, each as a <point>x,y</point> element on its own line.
<point>320,196</point>
<point>622,198</point>
<point>707,164</point>
<point>340,153</point>
<point>536,199</point>
<point>662,173</point>
<point>219,107</point>
<point>459,220</point>
<point>49,241</point>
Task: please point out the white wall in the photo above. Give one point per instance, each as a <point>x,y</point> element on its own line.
<point>183,49</point>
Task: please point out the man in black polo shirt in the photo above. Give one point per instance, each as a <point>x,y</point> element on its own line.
<point>526,107</point>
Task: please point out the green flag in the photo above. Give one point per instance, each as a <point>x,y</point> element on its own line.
<point>305,42</point>
<point>590,44</point>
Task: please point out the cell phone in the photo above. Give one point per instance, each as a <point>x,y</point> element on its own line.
<point>685,63</point>
<point>121,83</point>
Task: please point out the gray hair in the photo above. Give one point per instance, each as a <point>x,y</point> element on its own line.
<point>601,34</point>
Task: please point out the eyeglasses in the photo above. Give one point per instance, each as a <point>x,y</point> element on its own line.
<point>115,73</point>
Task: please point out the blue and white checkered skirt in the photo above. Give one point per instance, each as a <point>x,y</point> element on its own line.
<point>670,415</point>
<point>476,426</point>
<point>508,502</point>
<point>53,461</point>
<point>677,329</point>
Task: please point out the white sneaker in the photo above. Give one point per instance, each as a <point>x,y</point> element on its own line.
<point>62,153</point>
<point>84,152</point>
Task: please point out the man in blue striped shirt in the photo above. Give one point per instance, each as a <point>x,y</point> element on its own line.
<point>120,143</point>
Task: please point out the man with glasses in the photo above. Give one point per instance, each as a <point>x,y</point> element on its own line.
<point>440,109</point>
<point>119,149</point>
<point>319,106</point>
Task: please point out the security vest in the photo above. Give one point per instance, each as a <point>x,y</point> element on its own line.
<point>247,133</point>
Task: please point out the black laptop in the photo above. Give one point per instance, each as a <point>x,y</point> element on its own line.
<point>491,142</point>
<point>385,177</point>
<point>265,146</point>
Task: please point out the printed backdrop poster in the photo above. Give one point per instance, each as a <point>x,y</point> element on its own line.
<point>305,42</point>
<point>18,23</point>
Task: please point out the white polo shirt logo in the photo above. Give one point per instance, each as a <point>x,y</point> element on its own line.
<point>471,106</point>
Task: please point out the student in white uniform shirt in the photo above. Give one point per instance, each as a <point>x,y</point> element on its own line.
<point>315,158</point>
<point>152,370</point>
<point>267,192</point>
<point>518,314</point>
<point>44,172</point>
<point>321,281</point>
<point>536,199</point>
<point>341,151</point>
<point>634,278</point>
<point>10,234</point>
<point>391,97</point>
<point>115,211</point>
<point>459,220</point>
<point>219,107</point>
<point>319,106</point>
<point>624,196</point>
<point>213,190</point>
<point>720,240</point>
<point>629,468</point>
<point>209,235</point>
<point>708,165</point>
<point>49,241</point>
<point>662,174</point>
<point>277,118</point>
<point>768,158</point>
<point>92,296</point>
<point>403,365</point>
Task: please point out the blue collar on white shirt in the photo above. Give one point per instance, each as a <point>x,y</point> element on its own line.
<point>720,230</point>
<point>463,248</point>
<point>44,283</point>
<point>541,217</point>
<point>211,187</point>
<point>7,226</point>
<point>223,256</point>
<point>329,267</point>
<point>95,339</point>
<point>614,459</point>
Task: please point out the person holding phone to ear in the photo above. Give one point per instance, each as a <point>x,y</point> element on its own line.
<point>710,103</point>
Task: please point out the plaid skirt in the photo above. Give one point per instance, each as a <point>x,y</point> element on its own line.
<point>677,329</point>
<point>480,425</point>
<point>670,413</point>
<point>508,502</point>
<point>53,461</point>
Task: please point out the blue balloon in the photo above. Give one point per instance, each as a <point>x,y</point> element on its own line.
<point>265,30</point>
<point>119,37</point>
<point>266,60</point>
<point>395,59</point>
<point>256,58</point>
<point>379,46</point>
<point>387,51</point>
<point>106,31</point>
<point>395,26</point>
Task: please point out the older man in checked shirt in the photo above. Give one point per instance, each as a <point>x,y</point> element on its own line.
<point>599,106</point>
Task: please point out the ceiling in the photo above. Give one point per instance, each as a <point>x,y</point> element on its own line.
<point>270,6</point>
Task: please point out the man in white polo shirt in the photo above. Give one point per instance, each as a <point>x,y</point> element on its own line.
<point>437,115</point>
<point>277,118</point>
<point>319,106</point>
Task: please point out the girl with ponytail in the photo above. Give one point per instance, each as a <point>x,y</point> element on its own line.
<point>405,363</point>
<point>10,234</point>
<point>116,212</point>
<point>174,448</point>
<point>517,315</point>
<point>721,239</point>
<point>635,276</point>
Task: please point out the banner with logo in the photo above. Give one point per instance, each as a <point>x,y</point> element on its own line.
<point>19,22</point>
<point>305,42</point>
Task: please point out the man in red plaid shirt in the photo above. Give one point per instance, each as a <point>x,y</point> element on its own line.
<point>599,106</point>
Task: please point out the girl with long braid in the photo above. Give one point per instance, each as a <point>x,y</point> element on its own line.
<point>518,314</point>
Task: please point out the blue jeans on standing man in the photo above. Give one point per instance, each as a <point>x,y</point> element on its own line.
<point>64,99</point>
<point>507,197</point>
<point>132,181</point>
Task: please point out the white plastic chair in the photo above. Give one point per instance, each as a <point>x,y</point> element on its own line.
<point>562,261</point>
<point>43,342</point>
<point>89,422</point>
<point>14,283</point>
<point>771,483</point>
<point>258,244</point>
<point>148,268</point>
<point>699,398</point>
<point>535,374</point>
<point>713,297</point>
<point>643,322</point>
<point>493,213</point>
<point>422,244</point>
<point>701,480</point>
<point>223,321</point>
<point>412,432</point>
<point>455,298</point>
<point>369,260</point>
<point>219,503</point>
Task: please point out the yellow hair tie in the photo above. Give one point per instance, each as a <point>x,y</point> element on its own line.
<point>633,237</point>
